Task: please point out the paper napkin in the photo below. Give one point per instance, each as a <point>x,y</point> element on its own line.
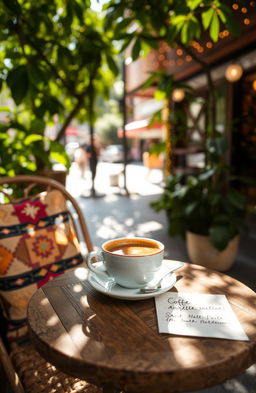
<point>202,315</point>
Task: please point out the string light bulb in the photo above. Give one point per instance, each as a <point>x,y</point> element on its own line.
<point>178,95</point>
<point>233,72</point>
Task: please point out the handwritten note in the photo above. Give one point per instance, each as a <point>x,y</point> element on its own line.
<point>201,315</point>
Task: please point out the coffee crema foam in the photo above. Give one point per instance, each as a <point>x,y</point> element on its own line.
<point>132,247</point>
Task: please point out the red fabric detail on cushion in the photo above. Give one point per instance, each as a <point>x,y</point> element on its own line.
<point>30,211</point>
<point>48,277</point>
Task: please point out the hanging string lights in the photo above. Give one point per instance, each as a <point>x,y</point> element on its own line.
<point>233,72</point>
<point>178,95</point>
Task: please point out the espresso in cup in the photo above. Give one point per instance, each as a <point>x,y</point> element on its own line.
<point>132,247</point>
<point>132,262</point>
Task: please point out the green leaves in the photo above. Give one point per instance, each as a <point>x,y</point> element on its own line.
<point>64,57</point>
<point>216,14</point>
<point>112,64</point>
<point>171,34</point>
<point>210,20</point>
<point>169,21</point>
<point>190,30</point>
<point>159,95</point>
<point>52,50</point>
<point>120,27</point>
<point>207,17</point>
<point>193,4</point>
<point>18,82</point>
<point>219,236</point>
<point>126,41</point>
<point>58,154</point>
<point>136,48</point>
<point>46,149</point>
<point>32,138</point>
<point>36,75</point>
<point>188,26</point>
<point>215,28</point>
<point>154,76</point>
<point>178,21</point>
<point>236,199</point>
<point>12,5</point>
<point>38,125</point>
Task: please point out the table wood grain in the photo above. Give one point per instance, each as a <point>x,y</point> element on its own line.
<point>115,343</point>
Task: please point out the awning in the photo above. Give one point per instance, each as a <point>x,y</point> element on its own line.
<point>71,130</point>
<point>141,129</point>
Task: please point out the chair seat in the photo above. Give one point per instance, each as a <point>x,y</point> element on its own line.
<point>39,376</point>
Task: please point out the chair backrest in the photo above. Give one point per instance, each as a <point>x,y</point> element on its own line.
<point>32,181</point>
<point>39,239</point>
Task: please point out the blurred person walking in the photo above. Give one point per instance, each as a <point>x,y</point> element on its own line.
<point>81,159</point>
<point>92,156</point>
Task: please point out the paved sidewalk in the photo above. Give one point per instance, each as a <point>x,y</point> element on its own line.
<point>114,215</point>
<point>138,180</point>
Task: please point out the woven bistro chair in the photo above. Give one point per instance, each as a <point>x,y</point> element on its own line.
<point>24,370</point>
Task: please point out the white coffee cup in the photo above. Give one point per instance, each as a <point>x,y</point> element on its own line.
<point>132,262</point>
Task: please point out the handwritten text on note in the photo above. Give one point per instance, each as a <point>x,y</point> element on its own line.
<point>202,315</point>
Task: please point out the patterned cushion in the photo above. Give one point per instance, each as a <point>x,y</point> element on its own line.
<point>37,243</point>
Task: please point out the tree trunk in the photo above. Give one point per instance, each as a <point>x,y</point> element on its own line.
<point>124,131</point>
<point>168,137</point>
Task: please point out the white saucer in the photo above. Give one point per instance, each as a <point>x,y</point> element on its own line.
<point>106,285</point>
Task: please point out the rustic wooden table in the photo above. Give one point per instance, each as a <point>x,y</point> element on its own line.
<point>115,343</point>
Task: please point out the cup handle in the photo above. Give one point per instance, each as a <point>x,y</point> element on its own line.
<point>99,255</point>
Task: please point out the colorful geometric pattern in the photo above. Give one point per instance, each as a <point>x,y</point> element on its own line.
<point>39,275</point>
<point>37,243</point>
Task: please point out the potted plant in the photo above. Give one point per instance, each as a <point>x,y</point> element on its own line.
<point>207,210</point>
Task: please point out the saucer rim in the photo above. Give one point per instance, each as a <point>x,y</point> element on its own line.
<point>172,277</point>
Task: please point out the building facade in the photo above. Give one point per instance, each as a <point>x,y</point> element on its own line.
<point>235,99</point>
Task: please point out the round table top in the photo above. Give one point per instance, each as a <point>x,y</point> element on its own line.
<point>113,342</point>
